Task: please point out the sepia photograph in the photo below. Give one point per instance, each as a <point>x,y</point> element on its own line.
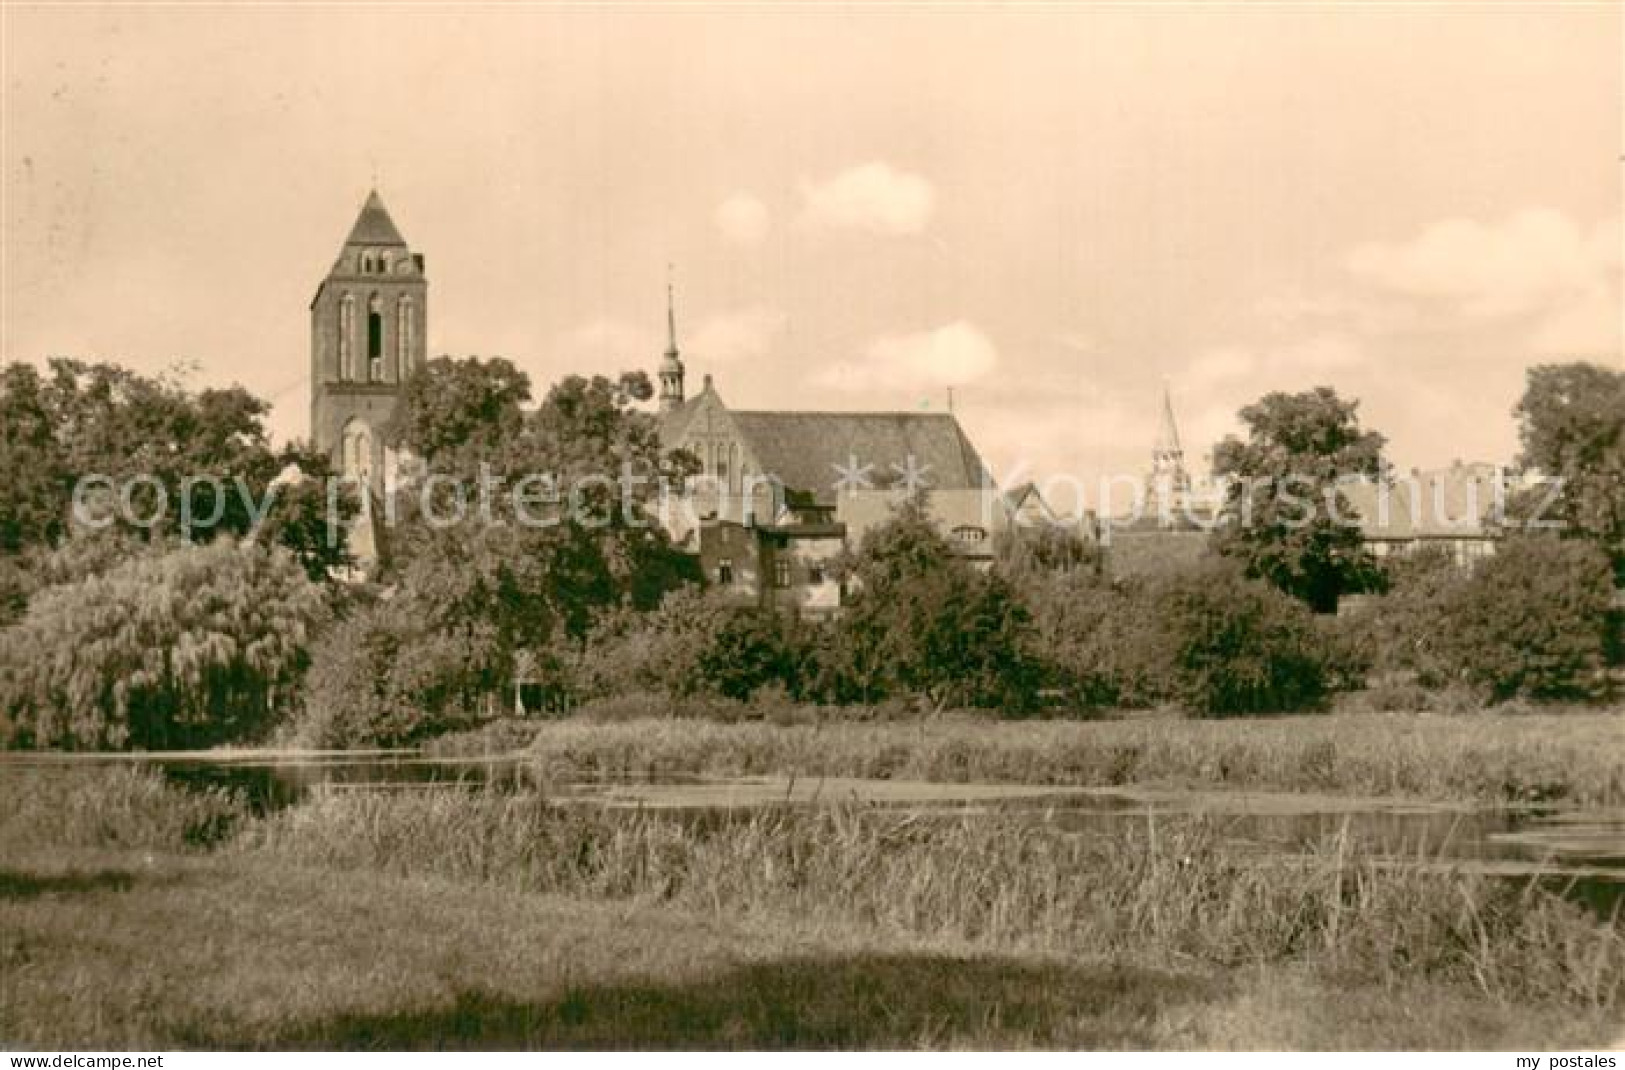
<point>931,527</point>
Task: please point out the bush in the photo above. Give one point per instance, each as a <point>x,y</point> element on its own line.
<point>1203,636</point>
<point>1235,645</point>
<point>693,645</point>
<point>1399,632</point>
<point>384,678</point>
<point>1532,620</point>
<point>1347,654</point>
<point>1094,644</point>
<point>922,622</point>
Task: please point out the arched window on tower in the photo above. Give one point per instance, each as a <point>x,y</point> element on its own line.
<point>404,337</point>
<point>375,339</point>
<point>356,451</point>
<point>346,336</point>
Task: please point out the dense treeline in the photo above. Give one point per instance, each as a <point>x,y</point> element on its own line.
<point>180,633</point>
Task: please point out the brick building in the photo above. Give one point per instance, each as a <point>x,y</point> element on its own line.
<point>367,329</point>
<point>780,493</point>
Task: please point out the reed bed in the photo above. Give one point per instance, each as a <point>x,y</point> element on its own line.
<point>1172,890</point>
<point>115,806</point>
<point>1576,759</point>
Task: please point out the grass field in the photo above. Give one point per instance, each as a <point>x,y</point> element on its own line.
<point>1577,758</point>
<point>142,918</point>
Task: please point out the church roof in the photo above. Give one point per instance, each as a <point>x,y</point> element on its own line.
<point>373,226</point>
<point>809,451</point>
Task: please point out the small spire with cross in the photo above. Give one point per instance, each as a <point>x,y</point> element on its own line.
<point>671,368</point>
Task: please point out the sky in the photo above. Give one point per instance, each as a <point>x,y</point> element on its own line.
<point>1052,212</point>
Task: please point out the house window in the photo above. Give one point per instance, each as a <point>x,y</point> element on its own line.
<point>725,571</point>
<point>781,573</point>
<point>969,533</point>
<point>815,574</point>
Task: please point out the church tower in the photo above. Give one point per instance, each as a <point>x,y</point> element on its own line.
<point>671,366</point>
<point>1168,488</point>
<point>366,337</point>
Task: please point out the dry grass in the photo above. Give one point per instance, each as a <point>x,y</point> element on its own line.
<point>1172,890</point>
<point>114,806</point>
<point>1576,758</point>
<point>467,919</point>
<point>233,952</point>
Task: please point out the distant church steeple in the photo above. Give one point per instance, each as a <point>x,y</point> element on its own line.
<point>1167,456</point>
<point>671,366</point>
<point>1168,489</point>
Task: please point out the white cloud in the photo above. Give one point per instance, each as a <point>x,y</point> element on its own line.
<point>872,196</point>
<point>1537,264</point>
<point>743,219</point>
<point>949,355</point>
<point>734,336</point>
<point>1522,264</point>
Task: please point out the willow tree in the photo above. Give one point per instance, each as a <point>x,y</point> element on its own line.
<point>196,646</point>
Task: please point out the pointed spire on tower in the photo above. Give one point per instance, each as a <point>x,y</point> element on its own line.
<point>671,368</point>
<point>1168,487</point>
<point>1167,442</point>
<point>671,317</point>
<point>373,226</point>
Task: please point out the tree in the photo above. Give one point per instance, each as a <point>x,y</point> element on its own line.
<point>1571,420</point>
<point>922,621</point>
<point>1284,517</point>
<point>37,484</point>
<point>312,513</point>
<point>524,576</point>
<point>449,408</point>
<point>1531,620</point>
<point>206,450</point>
<point>198,645</point>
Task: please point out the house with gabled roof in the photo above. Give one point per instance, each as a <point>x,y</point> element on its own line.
<point>1458,509</point>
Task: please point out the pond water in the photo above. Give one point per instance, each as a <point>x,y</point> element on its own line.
<point>1582,852</point>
